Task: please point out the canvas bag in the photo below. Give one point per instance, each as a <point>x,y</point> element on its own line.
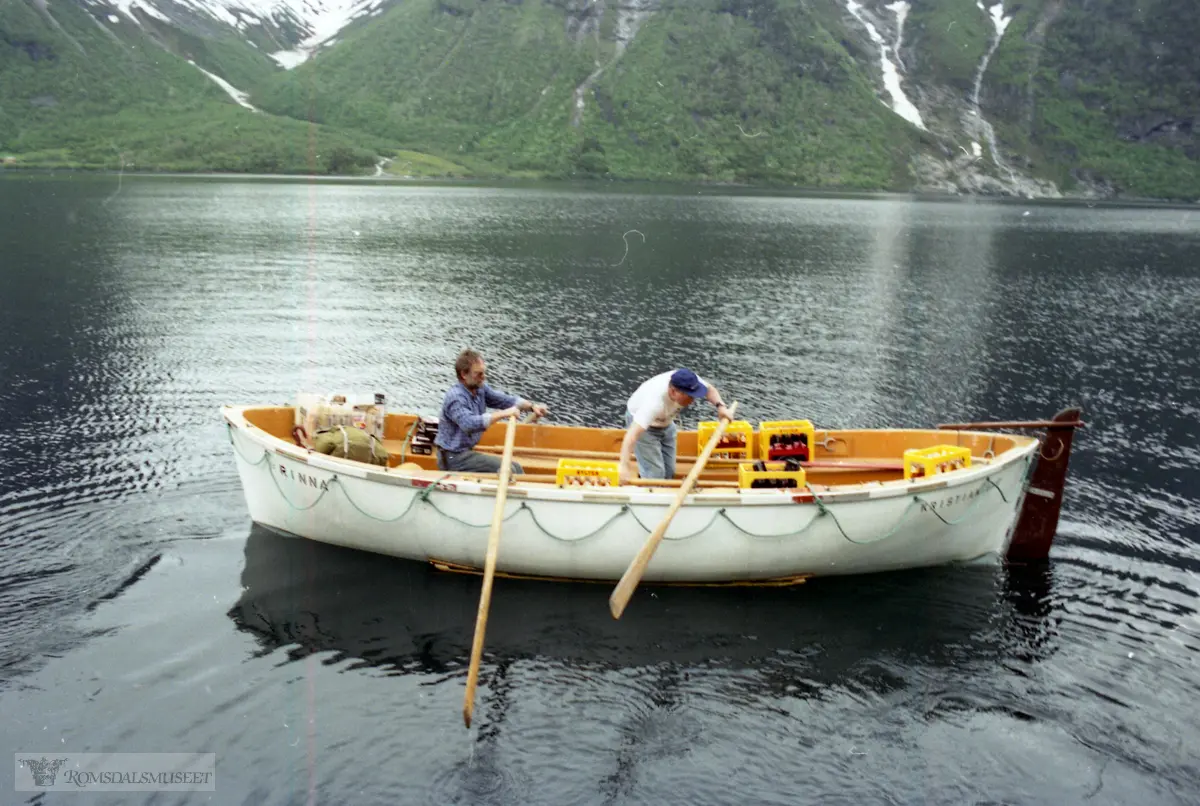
<point>350,443</point>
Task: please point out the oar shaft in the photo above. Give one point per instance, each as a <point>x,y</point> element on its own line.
<point>622,593</point>
<point>489,571</point>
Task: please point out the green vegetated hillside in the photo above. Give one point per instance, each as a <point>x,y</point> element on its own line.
<point>76,93</point>
<point>733,90</point>
<point>1106,90</point>
<point>1090,95</point>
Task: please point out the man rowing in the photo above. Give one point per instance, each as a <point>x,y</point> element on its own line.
<point>465,417</point>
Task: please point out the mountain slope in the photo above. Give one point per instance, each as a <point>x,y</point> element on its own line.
<point>1112,93</point>
<point>754,92</point>
<point>439,76</point>
<point>1037,98</point>
<point>96,90</point>
<point>757,91</point>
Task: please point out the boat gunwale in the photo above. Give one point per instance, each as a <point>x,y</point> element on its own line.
<point>455,483</point>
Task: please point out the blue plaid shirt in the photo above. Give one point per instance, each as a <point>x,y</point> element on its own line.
<point>464,419</point>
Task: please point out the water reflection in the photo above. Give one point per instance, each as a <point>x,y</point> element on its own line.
<point>305,597</point>
<point>128,317</point>
<point>56,285</point>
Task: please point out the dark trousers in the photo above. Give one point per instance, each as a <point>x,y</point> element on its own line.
<point>471,462</point>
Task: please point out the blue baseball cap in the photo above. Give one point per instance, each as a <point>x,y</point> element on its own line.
<point>689,383</point>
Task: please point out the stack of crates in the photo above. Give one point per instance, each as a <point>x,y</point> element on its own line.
<point>770,475</point>
<point>920,462</point>
<point>786,439</point>
<point>423,436</point>
<point>586,473</point>
<point>736,443</point>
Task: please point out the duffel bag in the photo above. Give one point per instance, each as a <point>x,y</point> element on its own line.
<point>350,443</point>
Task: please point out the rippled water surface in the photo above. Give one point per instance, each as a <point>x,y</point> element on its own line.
<point>140,611</point>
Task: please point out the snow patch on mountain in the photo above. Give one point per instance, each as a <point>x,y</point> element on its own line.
<point>127,7</point>
<point>323,21</point>
<point>316,21</point>
<point>241,97</point>
<point>900,104</point>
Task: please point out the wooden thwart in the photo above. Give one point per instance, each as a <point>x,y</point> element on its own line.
<point>716,464</point>
<point>550,478</point>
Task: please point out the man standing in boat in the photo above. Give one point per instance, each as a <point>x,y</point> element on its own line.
<point>465,417</point>
<point>650,418</point>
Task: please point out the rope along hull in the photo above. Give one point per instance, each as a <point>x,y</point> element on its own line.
<point>717,536</point>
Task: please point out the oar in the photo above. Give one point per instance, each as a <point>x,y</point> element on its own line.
<point>633,574</point>
<point>489,570</point>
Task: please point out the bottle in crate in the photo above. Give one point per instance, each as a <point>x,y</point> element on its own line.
<point>920,462</point>
<point>782,439</point>
<point>770,475</point>
<point>586,473</point>
<point>736,443</point>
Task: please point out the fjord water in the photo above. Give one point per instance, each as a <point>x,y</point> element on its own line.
<point>141,612</point>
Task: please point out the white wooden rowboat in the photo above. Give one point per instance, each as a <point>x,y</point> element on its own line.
<point>856,513</point>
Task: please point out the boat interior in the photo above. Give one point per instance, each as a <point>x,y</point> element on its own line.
<point>755,455</point>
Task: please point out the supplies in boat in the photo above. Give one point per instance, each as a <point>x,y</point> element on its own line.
<point>348,442</point>
<point>316,413</point>
<point>424,433</point>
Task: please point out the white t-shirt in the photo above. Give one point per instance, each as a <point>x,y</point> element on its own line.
<point>650,405</point>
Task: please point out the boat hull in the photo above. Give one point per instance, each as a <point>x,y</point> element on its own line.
<point>717,536</point>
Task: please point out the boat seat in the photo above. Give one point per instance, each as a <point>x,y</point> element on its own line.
<point>537,464</point>
<point>530,464</point>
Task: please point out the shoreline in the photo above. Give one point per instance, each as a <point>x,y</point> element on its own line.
<point>614,184</point>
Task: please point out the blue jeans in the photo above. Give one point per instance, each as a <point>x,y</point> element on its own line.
<point>471,462</point>
<point>655,451</point>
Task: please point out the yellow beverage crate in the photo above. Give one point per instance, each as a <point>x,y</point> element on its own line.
<point>736,443</point>
<point>937,459</point>
<point>781,439</point>
<point>586,473</point>
<point>769,475</point>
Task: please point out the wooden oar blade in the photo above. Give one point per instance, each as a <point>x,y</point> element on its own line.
<point>618,600</point>
<point>469,707</point>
